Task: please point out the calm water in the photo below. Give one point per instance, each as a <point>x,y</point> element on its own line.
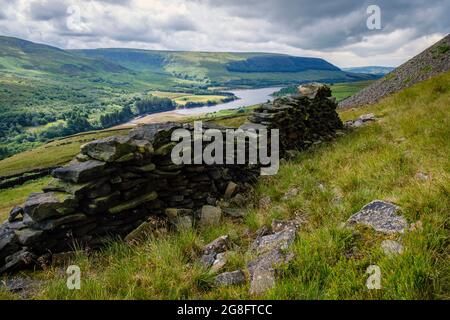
<point>246,98</point>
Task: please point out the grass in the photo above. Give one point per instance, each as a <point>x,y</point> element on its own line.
<point>52,154</point>
<point>347,89</point>
<point>12,197</point>
<point>377,161</point>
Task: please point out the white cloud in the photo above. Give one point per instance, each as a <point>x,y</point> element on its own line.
<point>334,30</point>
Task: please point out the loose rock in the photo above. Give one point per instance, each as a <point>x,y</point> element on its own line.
<point>381,216</point>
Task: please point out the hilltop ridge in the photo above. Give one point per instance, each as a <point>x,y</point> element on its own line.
<point>431,62</point>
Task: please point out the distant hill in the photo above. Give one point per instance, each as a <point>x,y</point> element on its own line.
<point>376,70</point>
<point>227,68</point>
<point>22,56</point>
<point>279,63</point>
<point>431,62</point>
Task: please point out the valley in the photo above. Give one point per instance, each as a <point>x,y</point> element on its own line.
<point>47,93</point>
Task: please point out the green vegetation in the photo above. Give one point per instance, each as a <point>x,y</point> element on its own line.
<point>52,154</point>
<point>377,161</point>
<point>12,197</point>
<point>46,92</point>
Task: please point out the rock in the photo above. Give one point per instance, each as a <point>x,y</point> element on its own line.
<point>41,206</point>
<point>261,281</point>
<point>101,191</point>
<point>184,223</point>
<point>8,239</point>
<point>108,149</point>
<point>291,193</point>
<point>28,236</point>
<point>80,172</point>
<point>21,286</point>
<point>220,262</point>
<point>207,260</point>
<point>52,224</point>
<point>143,146</point>
<point>391,247</point>
<point>367,117</point>
<point>265,202</point>
<point>136,202</point>
<point>235,212</point>
<point>271,251</point>
<point>231,190</point>
<point>173,213</point>
<point>219,245</point>
<point>381,216</point>
<point>230,278</point>
<point>238,201</point>
<point>14,213</point>
<point>18,260</point>
<point>210,216</point>
<point>279,240</point>
<point>101,205</point>
<point>313,90</point>
<point>143,232</point>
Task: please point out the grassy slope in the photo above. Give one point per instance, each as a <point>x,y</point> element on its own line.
<point>378,161</point>
<point>51,154</point>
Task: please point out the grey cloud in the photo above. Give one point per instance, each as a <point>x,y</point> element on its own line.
<point>48,10</point>
<point>325,25</point>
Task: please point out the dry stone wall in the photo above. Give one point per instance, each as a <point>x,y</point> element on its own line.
<point>120,185</point>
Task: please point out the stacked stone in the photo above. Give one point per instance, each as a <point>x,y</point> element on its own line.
<point>119,185</point>
<point>302,119</point>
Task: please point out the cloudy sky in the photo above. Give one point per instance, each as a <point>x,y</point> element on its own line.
<point>334,30</point>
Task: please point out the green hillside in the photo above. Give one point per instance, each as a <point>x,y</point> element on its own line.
<point>46,92</point>
<point>227,69</point>
<point>380,160</point>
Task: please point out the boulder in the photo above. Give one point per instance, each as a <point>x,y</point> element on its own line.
<point>210,216</point>
<point>219,262</point>
<point>28,236</point>
<point>184,223</point>
<point>109,149</point>
<point>262,280</point>
<point>80,172</point>
<point>134,203</point>
<point>14,213</point>
<point>143,232</point>
<point>381,216</point>
<point>219,245</point>
<point>230,278</point>
<point>231,190</point>
<point>41,206</point>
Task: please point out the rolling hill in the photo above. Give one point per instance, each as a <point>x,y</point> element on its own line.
<point>226,68</point>
<point>47,92</point>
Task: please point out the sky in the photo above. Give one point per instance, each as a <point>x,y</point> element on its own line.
<point>334,30</point>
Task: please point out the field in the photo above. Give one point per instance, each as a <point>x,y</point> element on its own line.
<point>182,99</point>
<point>378,161</point>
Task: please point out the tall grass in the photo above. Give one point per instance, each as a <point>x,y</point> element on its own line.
<point>378,161</point>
